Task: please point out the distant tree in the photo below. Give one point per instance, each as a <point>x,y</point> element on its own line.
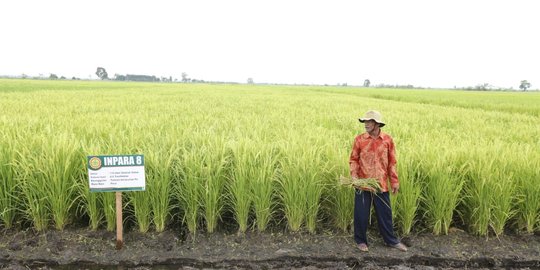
<point>166,79</point>
<point>53,77</point>
<point>62,78</point>
<point>102,73</point>
<point>366,83</point>
<point>185,77</point>
<point>482,87</point>
<point>24,76</point>
<point>250,81</point>
<point>524,85</point>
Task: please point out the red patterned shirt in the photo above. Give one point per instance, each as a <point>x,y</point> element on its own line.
<point>374,158</point>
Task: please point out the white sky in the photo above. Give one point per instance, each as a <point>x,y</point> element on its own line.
<point>431,43</point>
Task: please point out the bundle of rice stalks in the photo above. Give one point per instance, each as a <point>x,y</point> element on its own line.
<point>370,184</point>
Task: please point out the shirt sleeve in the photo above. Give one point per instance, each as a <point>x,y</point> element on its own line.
<point>354,164</point>
<point>392,164</point>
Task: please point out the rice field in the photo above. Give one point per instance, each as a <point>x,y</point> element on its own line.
<point>265,158</point>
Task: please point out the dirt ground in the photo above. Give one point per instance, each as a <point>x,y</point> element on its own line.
<point>79,248</point>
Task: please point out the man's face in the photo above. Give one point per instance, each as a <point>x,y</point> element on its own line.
<point>370,126</point>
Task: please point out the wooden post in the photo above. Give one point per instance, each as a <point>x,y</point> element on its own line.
<point>119,227</point>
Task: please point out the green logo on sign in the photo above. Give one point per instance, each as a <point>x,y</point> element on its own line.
<point>94,163</point>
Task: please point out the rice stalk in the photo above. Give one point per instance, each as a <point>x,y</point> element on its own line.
<point>160,165</point>
<point>301,187</point>
<point>189,187</point>
<point>503,203</point>
<point>142,210</point>
<point>33,191</point>
<point>292,192</point>
<point>8,184</point>
<point>315,186</point>
<point>91,204</point>
<point>108,201</point>
<point>441,195</point>
<point>527,176</point>
<point>342,196</point>
<point>243,173</point>
<point>407,201</point>
<point>370,184</point>
<point>214,176</point>
<point>263,187</point>
<point>93,207</point>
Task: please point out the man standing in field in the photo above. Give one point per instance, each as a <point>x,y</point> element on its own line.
<point>373,156</point>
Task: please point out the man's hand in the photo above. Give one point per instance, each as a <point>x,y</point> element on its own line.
<point>395,190</point>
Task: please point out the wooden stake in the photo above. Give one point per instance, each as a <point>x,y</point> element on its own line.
<point>119,227</point>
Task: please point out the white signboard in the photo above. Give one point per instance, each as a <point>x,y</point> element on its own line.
<point>116,173</point>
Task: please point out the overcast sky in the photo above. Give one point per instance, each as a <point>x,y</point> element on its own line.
<point>432,43</point>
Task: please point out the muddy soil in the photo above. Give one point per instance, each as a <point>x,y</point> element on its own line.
<point>79,248</point>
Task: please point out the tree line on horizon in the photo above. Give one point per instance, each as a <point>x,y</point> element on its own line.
<point>103,75</point>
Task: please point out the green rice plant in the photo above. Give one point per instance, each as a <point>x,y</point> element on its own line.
<point>503,187</point>
<point>34,203</point>
<point>8,183</point>
<point>528,199</point>
<point>91,204</point>
<point>503,201</point>
<point>441,194</point>
<point>51,181</point>
<point>490,191</point>
<point>189,187</point>
<point>214,176</point>
<point>292,199</point>
<point>93,207</point>
<point>315,189</point>
<point>406,203</point>
<point>479,193</point>
<point>161,164</point>
<point>478,199</point>
<point>343,206</point>
<point>301,186</point>
<point>292,193</point>
<point>263,185</point>
<point>142,210</point>
<point>239,188</point>
<point>342,197</point>
<point>63,173</point>
<point>108,201</point>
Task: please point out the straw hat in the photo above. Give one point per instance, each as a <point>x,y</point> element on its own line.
<point>373,115</point>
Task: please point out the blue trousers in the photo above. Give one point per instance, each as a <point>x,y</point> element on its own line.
<point>383,211</point>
